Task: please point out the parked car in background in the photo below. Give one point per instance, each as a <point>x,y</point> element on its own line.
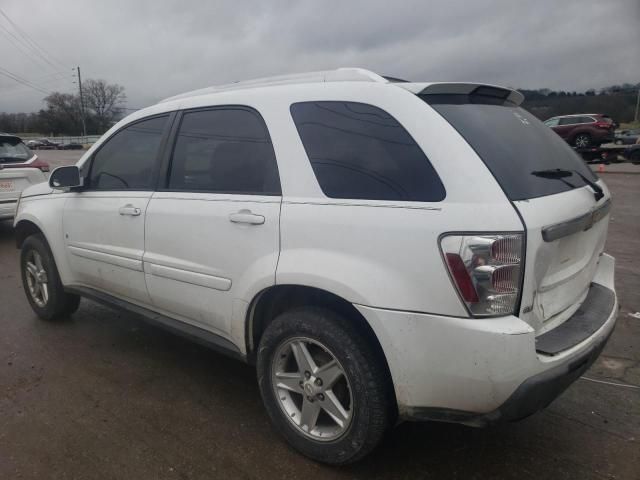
<point>627,137</point>
<point>380,251</point>
<point>70,146</point>
<point>43,144</point>
<point>19,169</point>
<point>583,130</point>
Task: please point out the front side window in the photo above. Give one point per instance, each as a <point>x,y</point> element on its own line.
<point>358,151</point>
<point>224,150</point>
<point>128,160</point>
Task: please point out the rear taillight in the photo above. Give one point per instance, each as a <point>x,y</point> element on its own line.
<point>605,125</point>
<point>37,163</point>
<point>486,270</point>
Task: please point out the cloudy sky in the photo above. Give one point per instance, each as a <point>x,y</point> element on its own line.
<point>163,47</point>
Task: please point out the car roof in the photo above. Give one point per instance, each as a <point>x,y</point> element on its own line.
<point>582,115</point>
<point>11,136</point>
<point>350,75</point>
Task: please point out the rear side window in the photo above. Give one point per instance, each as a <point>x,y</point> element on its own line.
<point>358,151</point>
<point>224,150</point>
<point>521,152</point>
<point>129,159</point>
<point>569,120</point>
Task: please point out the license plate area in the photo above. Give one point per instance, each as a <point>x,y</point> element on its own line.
<point>7,186</point>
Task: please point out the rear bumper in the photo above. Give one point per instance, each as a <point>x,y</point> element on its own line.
<point>7,209</point>
<point>481,371</point>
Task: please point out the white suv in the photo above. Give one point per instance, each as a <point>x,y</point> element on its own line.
<point>381,250</point>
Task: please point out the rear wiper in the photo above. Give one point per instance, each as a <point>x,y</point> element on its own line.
<point>561,174</point>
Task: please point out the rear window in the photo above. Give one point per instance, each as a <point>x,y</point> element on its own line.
<point>12,150</point>
<point>513,144</point>
<point>358,151</point>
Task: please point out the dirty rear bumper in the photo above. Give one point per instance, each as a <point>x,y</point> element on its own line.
<point>481,371</point>
<point>8,208</point>
<point>533,395</point>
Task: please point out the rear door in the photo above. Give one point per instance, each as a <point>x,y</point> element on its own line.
<point>548,183</point>
<point>565,127</point>
<point>104,222</point>
<point>212,232</point>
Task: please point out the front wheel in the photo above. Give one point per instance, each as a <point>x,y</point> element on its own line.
<point>41,281</point>
<point>323,387</point>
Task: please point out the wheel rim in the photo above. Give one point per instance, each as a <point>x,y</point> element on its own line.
<point>582,141</point>
<point>312,389</point>
<point>37,280</point>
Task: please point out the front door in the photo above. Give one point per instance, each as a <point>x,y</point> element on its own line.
<point>104,222</point>
<point>212,234</point>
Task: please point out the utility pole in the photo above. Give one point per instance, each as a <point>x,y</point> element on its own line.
<point>84,127</point>
<point>635,118</point>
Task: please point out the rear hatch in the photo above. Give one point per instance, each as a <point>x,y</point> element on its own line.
<point>19,168</point>
<point>563,205</point>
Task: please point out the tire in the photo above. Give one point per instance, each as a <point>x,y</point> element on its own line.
<point>582,140</point>
<point>364,389</point>
<point>55,303</point>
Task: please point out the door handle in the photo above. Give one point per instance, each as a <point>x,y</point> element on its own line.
<point>130,210</point>
<point>246,216</point>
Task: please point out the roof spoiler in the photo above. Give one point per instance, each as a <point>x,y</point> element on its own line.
<point>509,94</point>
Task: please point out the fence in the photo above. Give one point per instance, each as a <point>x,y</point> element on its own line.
<point>87,140</point>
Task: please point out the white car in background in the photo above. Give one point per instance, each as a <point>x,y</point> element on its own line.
<point>19,169</point>
<point>380,250</point>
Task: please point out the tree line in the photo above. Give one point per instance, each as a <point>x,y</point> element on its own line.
<point>619,101</point>
<point>62,115</point>
<point>104,102</point>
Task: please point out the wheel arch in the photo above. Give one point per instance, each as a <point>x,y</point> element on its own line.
<point>24,229</point>
<point>274,300</point>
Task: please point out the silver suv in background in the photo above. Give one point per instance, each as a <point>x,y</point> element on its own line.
<point>19,169</point>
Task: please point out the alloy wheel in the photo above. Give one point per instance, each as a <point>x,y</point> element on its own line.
<point>312,388</point>
<point>37,279</point>
<point>582,141</point>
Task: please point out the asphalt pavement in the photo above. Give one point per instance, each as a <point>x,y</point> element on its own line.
<point>103,395</point>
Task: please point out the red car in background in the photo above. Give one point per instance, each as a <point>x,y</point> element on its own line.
<point>583,129</point>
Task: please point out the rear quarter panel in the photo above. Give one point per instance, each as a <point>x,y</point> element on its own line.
<point>381,253</point>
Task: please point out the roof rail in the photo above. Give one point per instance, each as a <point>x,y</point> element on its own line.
<point>337,75</point>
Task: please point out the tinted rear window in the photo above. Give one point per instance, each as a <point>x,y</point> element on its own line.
<point>12,150</point>
<point>513,144</point>
<point>358,151</point>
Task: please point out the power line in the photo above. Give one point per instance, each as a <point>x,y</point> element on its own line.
<point>20,47</point>
<point>23,81</point>
<point>31,43</point>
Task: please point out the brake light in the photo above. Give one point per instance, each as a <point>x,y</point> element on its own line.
<point>486,271</point>
<point>605,125</point>
<point>40,164</point>
<point>37,163</point>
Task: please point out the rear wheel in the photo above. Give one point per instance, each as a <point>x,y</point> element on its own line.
<point>322,385</point>
<point>582,140</point>
<point>41,281</point>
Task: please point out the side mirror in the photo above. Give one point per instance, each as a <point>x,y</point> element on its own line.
<point>63,178</point>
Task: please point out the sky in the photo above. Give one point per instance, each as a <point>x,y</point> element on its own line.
<point>160,48</point>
